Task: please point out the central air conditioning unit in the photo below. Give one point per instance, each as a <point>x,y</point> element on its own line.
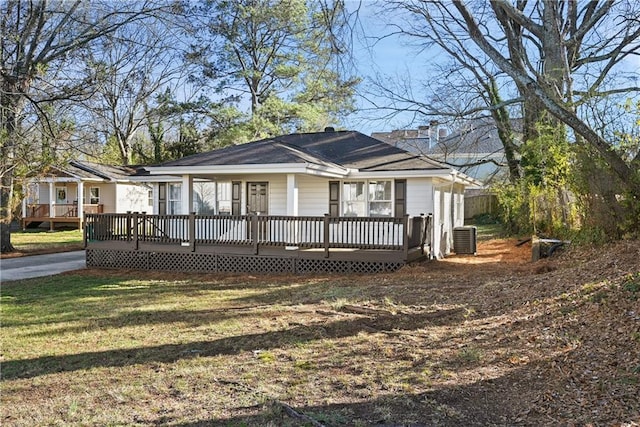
<point>464,240</point>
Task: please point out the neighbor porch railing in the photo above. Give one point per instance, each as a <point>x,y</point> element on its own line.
<point>60,210</point>
<point>301,232</point>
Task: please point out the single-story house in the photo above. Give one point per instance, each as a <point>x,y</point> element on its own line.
<point>333,196</point>
<point>64,195</point>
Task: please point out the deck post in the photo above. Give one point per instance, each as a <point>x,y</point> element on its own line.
<point>136,244</point>
<point>84,236</point>
<point>405,236</point>
<point>254,233</point>
<point>128,222</point>
<point>325,237</point>
<point>192,231</point>
<point>143,222</point>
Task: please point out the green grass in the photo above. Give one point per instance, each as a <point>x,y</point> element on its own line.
<point>39,240</point>
<point>104,349</point>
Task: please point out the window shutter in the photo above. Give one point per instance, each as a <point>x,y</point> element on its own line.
<point>400,197</point>
<point>334,198</point>
<point>162,198</point>
<point>235,197</point>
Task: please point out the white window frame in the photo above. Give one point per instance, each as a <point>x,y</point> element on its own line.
<point>33,193</point>
<point>223,197</point>
<point>204,194</point>
<point>353,207</point>
<point>371,199</point>
<point>174,204</point>
<point>91,198</point>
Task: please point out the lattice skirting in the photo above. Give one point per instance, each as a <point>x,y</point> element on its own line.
<point>198,262</point>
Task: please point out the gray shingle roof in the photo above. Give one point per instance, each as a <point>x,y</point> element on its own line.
<point>343,148</point>
<point>90,170</point>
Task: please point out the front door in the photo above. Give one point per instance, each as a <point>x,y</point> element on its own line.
<point>258,198</point>
<point>258,204</point>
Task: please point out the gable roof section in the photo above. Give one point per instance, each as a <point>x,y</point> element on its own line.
<point>89,171</point>
<point>332,149</point>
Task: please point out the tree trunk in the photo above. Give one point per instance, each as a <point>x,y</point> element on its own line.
<point>11,103</point>
<point>5,238</point>
<point>626,173</point>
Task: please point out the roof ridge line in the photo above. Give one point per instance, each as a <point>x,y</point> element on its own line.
<point>90,170</point>
<point>305,153</point>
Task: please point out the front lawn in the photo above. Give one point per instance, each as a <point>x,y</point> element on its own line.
<point>37,241</point>
<point>491,339</point>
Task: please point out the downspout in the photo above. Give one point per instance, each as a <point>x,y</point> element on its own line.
<point>452,215</point>
<point>434,250</point>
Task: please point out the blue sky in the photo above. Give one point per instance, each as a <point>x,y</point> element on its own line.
<point>390,57</point>
<point>395,59</point>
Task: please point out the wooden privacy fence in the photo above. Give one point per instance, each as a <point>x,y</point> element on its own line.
<point>261,231</point>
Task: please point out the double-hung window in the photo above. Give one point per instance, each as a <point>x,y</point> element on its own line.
<point>380,198</point>
<point>367,198</point>
<point>354,199</point>
<point>212,198</point>
<point>94,195</point>
<point>224,198</point>
<point>175,199</point>
<point>204,198</point>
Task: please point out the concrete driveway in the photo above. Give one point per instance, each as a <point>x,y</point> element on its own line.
<point>27,267</point>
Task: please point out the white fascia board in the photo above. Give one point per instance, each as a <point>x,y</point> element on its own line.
<point>228,169</point>
<point>301,168</point>
<point>326,171</point>
<point>156,178</point>
<point>65,179</point>
<point>431,173</point>
<point>462,178</point>
<point>448,175</point>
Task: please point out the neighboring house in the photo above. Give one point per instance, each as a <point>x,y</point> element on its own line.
<point>319,198</point>
<point>64,195</point>
<point>474,148</point>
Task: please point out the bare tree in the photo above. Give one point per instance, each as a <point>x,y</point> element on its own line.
<point>466,85</point>
<point>131,68</point>
<point>558,60</point>
<point>569,39</point>
<point>39,39</point>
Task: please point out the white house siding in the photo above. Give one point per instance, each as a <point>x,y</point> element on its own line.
<point>43,193</point>
<point>459,205</point>
<point>130,197</point>
<point>277,192</point>
<point>442,219</point>
<point>419,197</point>
<point>449,216</point>
<point>107,196</point>
<point>313,195</point>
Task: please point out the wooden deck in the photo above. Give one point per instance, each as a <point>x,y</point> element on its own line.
<point>62,214</point>
<point>257,244</point>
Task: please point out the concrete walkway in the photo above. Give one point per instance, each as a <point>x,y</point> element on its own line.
<point>27,267</point>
